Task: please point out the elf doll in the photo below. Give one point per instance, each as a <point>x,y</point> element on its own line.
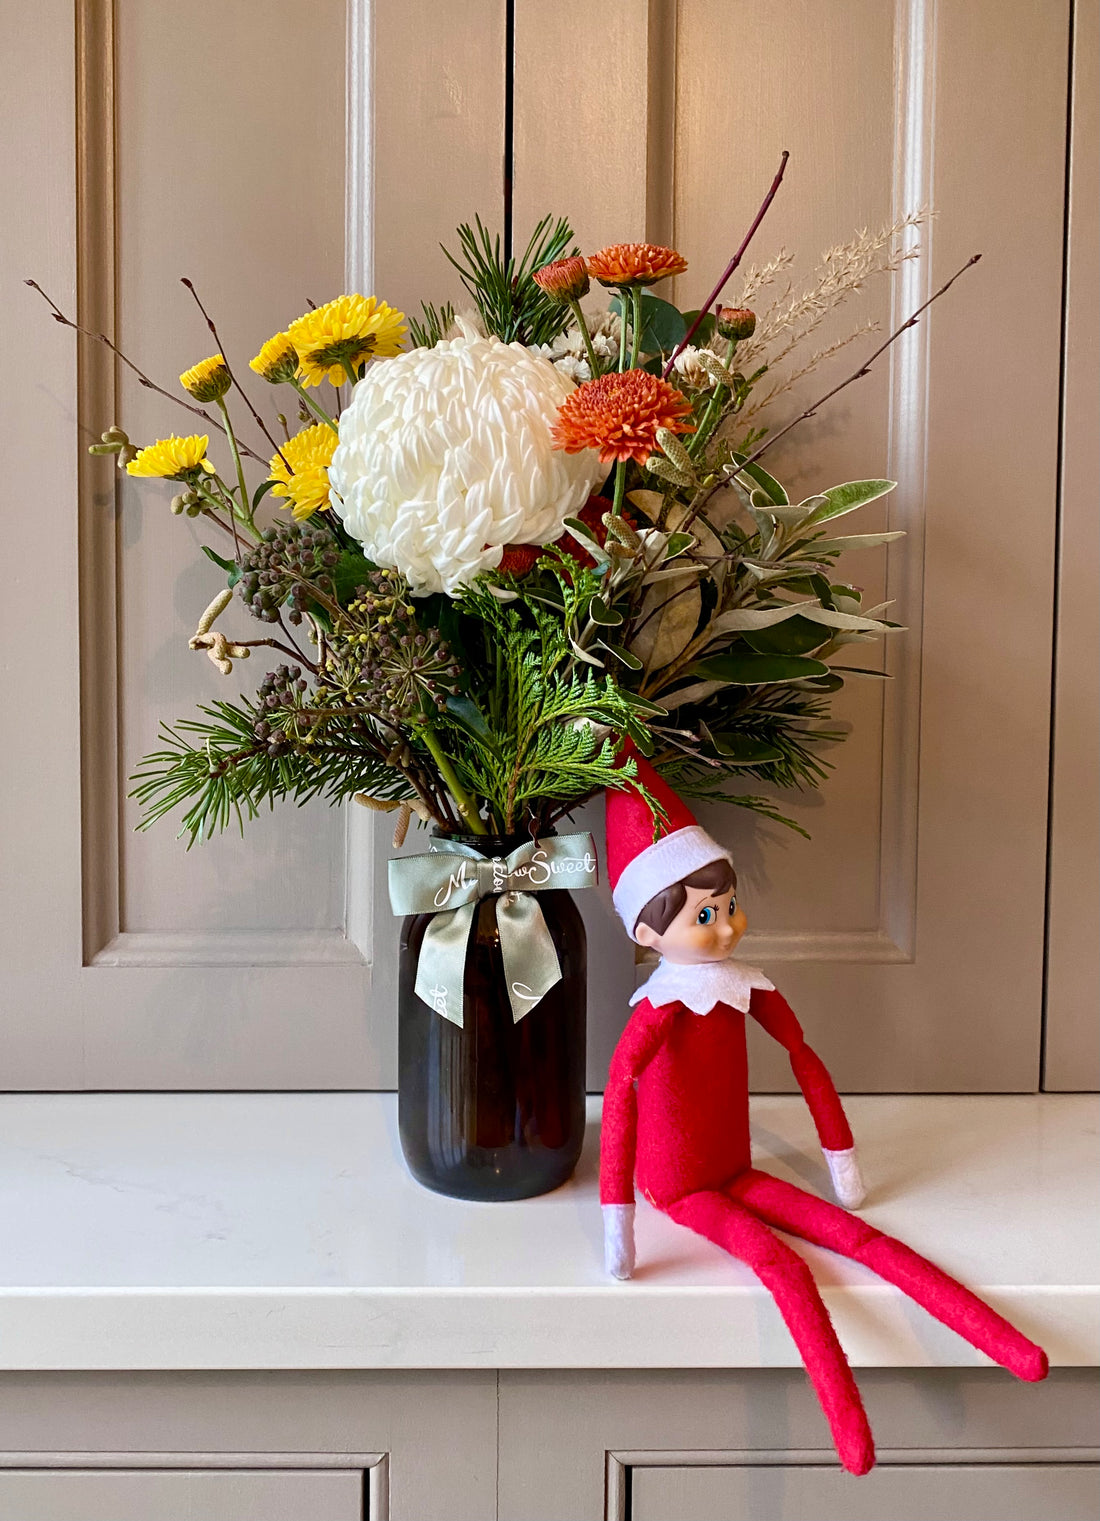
<point>676,1113</point>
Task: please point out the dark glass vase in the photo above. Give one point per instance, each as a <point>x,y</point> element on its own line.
<point>494,1110</point>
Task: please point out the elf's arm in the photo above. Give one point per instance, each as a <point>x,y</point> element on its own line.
<point>771,1010</point>
<point>638,1044</point>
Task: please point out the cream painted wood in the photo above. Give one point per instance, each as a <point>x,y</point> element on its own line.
<point>426,1441</point>
<point>901,1490</point>
<point>608,1423</point>
<point>247,963</point>
<point>182,1495</point>
<point>902,933</point>
<point>1073,973</point>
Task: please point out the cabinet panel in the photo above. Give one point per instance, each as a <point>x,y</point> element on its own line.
<point>904,1492</point>
<point>82,1494</point>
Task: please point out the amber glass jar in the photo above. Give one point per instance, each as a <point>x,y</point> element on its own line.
<point>494,1110</point>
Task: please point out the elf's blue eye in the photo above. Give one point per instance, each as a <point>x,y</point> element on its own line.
<point>705,916</point>
<point>733,907</point>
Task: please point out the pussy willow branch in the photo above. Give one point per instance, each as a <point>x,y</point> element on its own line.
<point>727,273</point>
<point>150,385</point>
<point>864,369</point>
<point>257,419</point>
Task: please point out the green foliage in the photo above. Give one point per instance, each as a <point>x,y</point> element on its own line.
<point>432,330</point>
<point>217,764</point>
<point>511,305</point>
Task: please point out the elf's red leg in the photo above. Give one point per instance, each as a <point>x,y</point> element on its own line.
<point>730,1225</point>
<point>789,1208</point>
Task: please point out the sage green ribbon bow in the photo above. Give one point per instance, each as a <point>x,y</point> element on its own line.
<point>449,888</point>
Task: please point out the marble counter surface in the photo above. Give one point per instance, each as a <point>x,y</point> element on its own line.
<point>226,1231</point>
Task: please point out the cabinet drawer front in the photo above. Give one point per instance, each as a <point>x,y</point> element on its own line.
<point>82,1494</point>
<point>904,1492</point>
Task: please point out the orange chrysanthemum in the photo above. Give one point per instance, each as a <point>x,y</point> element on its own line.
<point>635,264</point>
<point>564,280</point>
<point>619,415</point>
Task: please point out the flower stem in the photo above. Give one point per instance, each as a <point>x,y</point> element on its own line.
<point>636,324</point>
<point>246,511</point>
<point>314,406</point>
<point>349,371</point>
<point>463,801</point>
<point>593,362</point>
<point>623,291</point>
<point>620,487</point>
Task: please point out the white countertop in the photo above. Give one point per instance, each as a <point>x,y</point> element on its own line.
<point>223,1231</point>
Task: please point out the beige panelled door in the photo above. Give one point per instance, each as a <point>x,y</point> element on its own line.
<point>909,932</point>
<point>202,140</point>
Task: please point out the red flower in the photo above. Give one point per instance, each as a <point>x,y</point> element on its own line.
<point>619,415</point>
<point>518,559</point>
<point>635,264</point>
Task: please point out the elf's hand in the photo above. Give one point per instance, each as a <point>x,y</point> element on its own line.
<point>847,1180</point>
<point>618,1240</point>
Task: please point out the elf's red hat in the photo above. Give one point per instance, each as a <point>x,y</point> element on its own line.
<point>639,866</point>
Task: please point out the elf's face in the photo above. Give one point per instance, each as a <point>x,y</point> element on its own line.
<point>707,928</point>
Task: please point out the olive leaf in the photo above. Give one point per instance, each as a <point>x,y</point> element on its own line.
<point>667,619</point>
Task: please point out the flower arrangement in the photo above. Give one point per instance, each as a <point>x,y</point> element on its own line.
<point>499,553</point>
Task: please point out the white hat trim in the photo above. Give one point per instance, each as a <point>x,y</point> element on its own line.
<point>672,858</point>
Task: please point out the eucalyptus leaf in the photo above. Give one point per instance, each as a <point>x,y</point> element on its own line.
<point>849,496</point>
<point>699,691</point>
<point>628,659</point>
<point>667,619</point>
<point>775,492</point>
<point>649,502</point>
<point>663,324</point>
<point>833,619</point>
<point>855,541</point>
<point>743,749</point>
<point>585,655</point>
<point>739,619</point>
<point>751,669</point>
<point>605,616</point>
<point>678,542</point>
<point>797,636</point>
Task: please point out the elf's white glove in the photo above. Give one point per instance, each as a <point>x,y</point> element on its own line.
<point>847,1179</point>
<point>618,1239</point>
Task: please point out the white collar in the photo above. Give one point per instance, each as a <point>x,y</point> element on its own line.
<point>700,987</point>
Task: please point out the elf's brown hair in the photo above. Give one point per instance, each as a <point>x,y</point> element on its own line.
<point>719,876</point>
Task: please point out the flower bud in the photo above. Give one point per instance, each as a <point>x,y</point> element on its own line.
<point>126,454</point>
<point>208,380</point>
<point>564,279</point>
<point>178,503</point>
<point>114,435</point>
<point>736,322</point>
<point>193,509</point>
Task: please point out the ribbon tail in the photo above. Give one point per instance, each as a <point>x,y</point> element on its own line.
<point>440,974</point>
<point>527,950</point>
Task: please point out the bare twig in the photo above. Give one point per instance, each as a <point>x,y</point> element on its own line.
<point>727,273</point>
<point>257,419</point>
<point>865,367</point>
<point>150,385</point>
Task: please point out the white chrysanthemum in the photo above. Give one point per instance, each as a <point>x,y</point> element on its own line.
<point>445,456</point>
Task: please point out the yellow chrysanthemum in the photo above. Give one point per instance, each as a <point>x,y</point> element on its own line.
<point>208,380</point>
<point>277,361</point>
<point>305,483</point>
<point>171,458</point>
<point>345,332</point>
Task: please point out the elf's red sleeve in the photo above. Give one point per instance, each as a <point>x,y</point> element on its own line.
<point>638,1045</point>
<point>771,1010</point>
